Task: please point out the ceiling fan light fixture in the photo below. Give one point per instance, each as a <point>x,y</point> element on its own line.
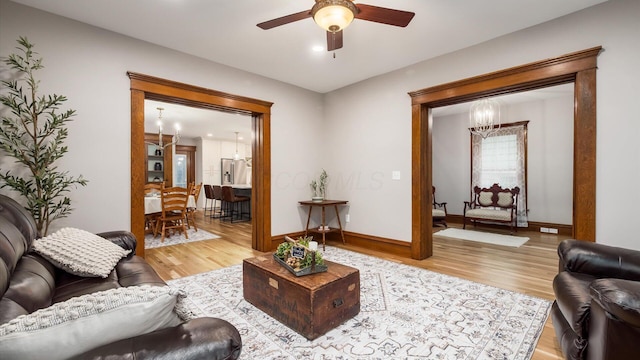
<point>333,15</point>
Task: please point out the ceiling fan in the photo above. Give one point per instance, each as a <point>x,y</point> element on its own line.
<point>335,15</point>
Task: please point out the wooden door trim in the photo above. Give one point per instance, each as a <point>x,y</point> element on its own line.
<point>149,87</point>
<point>578,67</point>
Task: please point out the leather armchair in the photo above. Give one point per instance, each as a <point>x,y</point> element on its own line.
<point>596,314</point>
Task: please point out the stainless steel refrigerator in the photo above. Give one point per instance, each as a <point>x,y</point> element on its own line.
<point>234,172</point>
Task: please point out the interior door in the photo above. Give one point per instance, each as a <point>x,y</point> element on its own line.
<point>180,170</point>
<point>184,170</point>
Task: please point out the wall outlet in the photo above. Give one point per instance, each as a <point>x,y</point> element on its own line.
<point>347,218</point>
<point>544,230</point>
<point>395,175</point>
<point>552,231</point>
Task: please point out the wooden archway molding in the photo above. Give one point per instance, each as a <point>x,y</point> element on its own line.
<point>578,67</point>
<point>148,87</point>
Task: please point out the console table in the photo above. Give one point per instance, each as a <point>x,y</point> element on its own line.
<point>323,228</point>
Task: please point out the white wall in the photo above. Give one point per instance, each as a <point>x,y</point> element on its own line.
<point>451,173</point>
<point>371,120</point>
<point>550,158</point>
<point>89,65</point>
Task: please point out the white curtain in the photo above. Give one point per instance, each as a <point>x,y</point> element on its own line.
<point>500,159</point>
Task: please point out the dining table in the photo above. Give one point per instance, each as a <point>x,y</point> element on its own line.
<point>152,203</point>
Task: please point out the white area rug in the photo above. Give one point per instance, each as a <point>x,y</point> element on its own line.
<point>484,237</point>
<point>177,238</point>
<point>406,313</point>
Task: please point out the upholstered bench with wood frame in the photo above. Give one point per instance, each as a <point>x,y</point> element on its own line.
<point>494,204</point>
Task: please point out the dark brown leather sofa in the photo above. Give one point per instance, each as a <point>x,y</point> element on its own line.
<point>28,282</point>
<point>596,314</point>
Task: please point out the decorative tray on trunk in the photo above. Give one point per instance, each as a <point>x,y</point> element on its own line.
<point>301,257</point>
<point>301,271</point>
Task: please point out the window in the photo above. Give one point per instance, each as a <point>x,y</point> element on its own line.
<point>501,159</point>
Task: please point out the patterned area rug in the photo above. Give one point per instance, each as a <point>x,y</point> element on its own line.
<point>484,237</point>
<point>177,238</point>
<point>406,313</point>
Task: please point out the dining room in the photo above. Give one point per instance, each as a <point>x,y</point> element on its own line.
<point>199,149</point>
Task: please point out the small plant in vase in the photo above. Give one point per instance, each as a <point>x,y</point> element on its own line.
<point>319,187</point>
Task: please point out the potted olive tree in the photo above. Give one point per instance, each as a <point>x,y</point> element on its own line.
<point>32,133</point>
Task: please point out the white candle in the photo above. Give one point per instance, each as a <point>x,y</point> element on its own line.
<point>313,245</point>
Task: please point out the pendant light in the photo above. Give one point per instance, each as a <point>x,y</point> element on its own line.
<point>176,136</point>
<point>236,156</point>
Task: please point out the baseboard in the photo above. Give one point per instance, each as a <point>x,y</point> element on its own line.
<point>279,239</point>
<point>456,219</point>
<point>369,242</point>
<point>562,228</point>
<point>397,247</point>
<point>533,225</point>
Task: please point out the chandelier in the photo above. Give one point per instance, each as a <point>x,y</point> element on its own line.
<point>333,15</point>
<point>176,136</point>
<point>484,117</point>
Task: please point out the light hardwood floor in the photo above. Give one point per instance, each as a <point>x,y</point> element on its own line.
<point>528,269</point>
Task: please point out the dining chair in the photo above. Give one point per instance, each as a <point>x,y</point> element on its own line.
<point>191,211</point>
<point>196,191</point>
<point>150,220</point>
<point>234,204</point>
<point>173,202</point>
<point>153,188</point>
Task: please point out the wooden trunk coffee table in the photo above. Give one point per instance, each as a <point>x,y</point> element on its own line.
<point>311,304</point>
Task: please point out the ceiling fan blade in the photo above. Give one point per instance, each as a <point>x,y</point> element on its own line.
<point>284,20</point>
<point>383,15</point>
<point>334,40</point>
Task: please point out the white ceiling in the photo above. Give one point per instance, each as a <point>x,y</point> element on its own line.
<point>225,32</point>
<point>195,122</point>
